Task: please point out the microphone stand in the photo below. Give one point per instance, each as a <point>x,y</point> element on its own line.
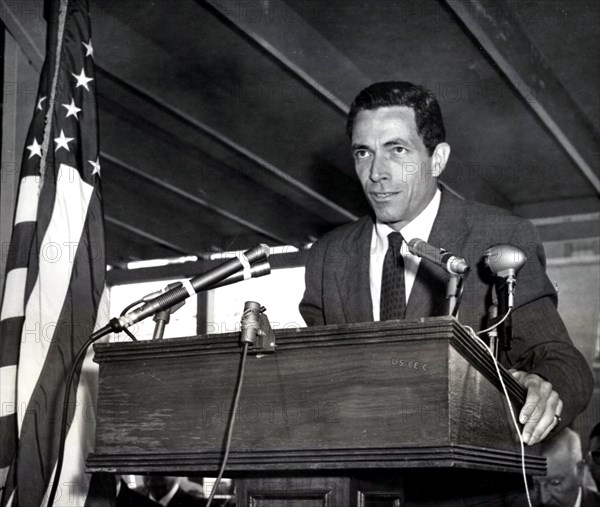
<point>163,317</point>
<point>454,291</point>
<point>504,329</point>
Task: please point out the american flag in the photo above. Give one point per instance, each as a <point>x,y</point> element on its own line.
<point>54,284</point>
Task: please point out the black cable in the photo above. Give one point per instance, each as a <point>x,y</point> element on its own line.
<point>130,334</point>
<point>63,423</point>
<point>230,423</point>
<point>125,310</point>
<point>130,306</point>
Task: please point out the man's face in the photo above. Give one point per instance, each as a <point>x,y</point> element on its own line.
<point>560,486</point>
<point>396,172</point>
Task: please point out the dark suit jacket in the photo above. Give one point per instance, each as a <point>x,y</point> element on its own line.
<point>590,498</point>
<point>130,498</point>
<point>184,499</point>
<point>338,291</point>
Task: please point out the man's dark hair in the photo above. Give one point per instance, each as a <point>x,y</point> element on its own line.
<point>428,116</point>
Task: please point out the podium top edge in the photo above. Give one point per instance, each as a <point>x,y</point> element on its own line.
<point>394,330</point>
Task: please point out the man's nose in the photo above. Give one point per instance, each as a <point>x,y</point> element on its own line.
<point>379,168</point>
<point>545,495</point>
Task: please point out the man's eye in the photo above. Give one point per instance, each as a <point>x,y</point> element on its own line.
<point>556,482</point>
<point>399,150</point>
<point>359,154</point>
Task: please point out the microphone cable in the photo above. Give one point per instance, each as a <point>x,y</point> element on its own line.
<point>506,395</point>
<point>231,421</point>
<point>491,328</point>
<point>65,413</point>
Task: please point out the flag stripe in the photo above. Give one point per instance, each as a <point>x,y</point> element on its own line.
<point>15,289</point>
<point>20,248</point>
<point>27,204</point>
<point>8,381</point>
<point>9,354</point>
<point>4,474</point>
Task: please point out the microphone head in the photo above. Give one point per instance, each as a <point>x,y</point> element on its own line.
<point>420,248</point>
<point>258,252</point>
<point>266,249</point>
<point>260,268</point>
<point>504,259</point>
<point>413,246</point>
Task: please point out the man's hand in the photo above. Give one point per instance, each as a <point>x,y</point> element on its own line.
<point>541,405</point>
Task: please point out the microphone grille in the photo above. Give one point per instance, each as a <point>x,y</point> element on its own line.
<point>502,258</point>
<point>413,246</point>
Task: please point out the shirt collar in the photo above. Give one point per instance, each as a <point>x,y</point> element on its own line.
<point>419,227</point>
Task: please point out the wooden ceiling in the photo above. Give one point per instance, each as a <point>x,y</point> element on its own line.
<point>222,121</point>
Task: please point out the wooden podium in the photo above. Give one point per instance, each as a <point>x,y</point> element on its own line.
<point>384,413</point>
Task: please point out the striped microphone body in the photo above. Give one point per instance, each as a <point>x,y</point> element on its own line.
<point>451,263</point>
<point>193,286</point>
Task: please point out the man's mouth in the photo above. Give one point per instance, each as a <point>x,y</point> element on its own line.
<point>382,196</point>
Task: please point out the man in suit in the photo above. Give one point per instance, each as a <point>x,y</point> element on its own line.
<point>166,491</point>
<point>127,497</point>
<point>399,151</point>
<point>563,484</point>
<point>594,455</point>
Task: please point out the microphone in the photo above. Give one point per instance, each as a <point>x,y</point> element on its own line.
<point>257,270</point>
<point>250,323</point>
<point>450,262</point>
<point>191,287</point>
<point>505,261</point>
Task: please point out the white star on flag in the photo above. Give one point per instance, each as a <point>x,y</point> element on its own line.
<point>96,166</point>
<point>35,148</point>
<point>39,104</point>
<point>82,80</point>
<point>62,141</point>
<point>89,50</point>
<point>72,109</point>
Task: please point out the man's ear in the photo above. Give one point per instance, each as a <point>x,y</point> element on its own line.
<point>439,158</point>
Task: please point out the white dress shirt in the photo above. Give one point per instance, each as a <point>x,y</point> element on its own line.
<point>420,228</point>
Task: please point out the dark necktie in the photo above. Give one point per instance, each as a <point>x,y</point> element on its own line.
<point>392,304</point>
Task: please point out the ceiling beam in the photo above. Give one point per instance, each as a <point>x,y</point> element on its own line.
<point>17,18</point>
<point>557,207</point>
<point>190,120</point>
<point>496,28</point>
<point>146,235</point>
<point>282,32</point>
<point>191,197</point>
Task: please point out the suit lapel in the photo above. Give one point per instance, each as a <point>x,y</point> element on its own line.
<point>352,274</point>
<point>449,231</point>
